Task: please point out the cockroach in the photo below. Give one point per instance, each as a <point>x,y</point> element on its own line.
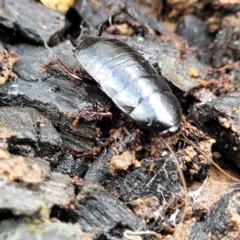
<point>131,82</point>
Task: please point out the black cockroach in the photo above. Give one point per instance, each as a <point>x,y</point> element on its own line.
<point>131,82</point>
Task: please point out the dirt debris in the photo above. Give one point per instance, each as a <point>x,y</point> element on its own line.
<point>123,161</point>
<point>146,208</point>
<point>16,168</point>
<point>7,60</point>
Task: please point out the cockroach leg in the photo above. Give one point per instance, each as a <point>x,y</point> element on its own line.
<point>81,72</point>
<point>93,152</point>
<point>90,115</point>
<point>60,65</point>
<point>95,115</point>
<point>74,123</point>
<point>136,141</point>
<point>103,26</point>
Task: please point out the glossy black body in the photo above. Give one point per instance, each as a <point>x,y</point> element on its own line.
<point>131,82</point>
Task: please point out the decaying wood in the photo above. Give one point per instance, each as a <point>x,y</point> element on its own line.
<point>102,175</point>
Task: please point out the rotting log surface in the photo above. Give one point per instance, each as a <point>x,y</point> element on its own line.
<point>114,185</point>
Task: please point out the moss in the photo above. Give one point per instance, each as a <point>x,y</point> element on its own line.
<point>34,229</point>
<point>44,213</point>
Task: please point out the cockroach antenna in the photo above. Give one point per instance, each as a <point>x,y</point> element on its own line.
<point>73,42</point>
<point>182,179</point>
<point>62,66</point>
